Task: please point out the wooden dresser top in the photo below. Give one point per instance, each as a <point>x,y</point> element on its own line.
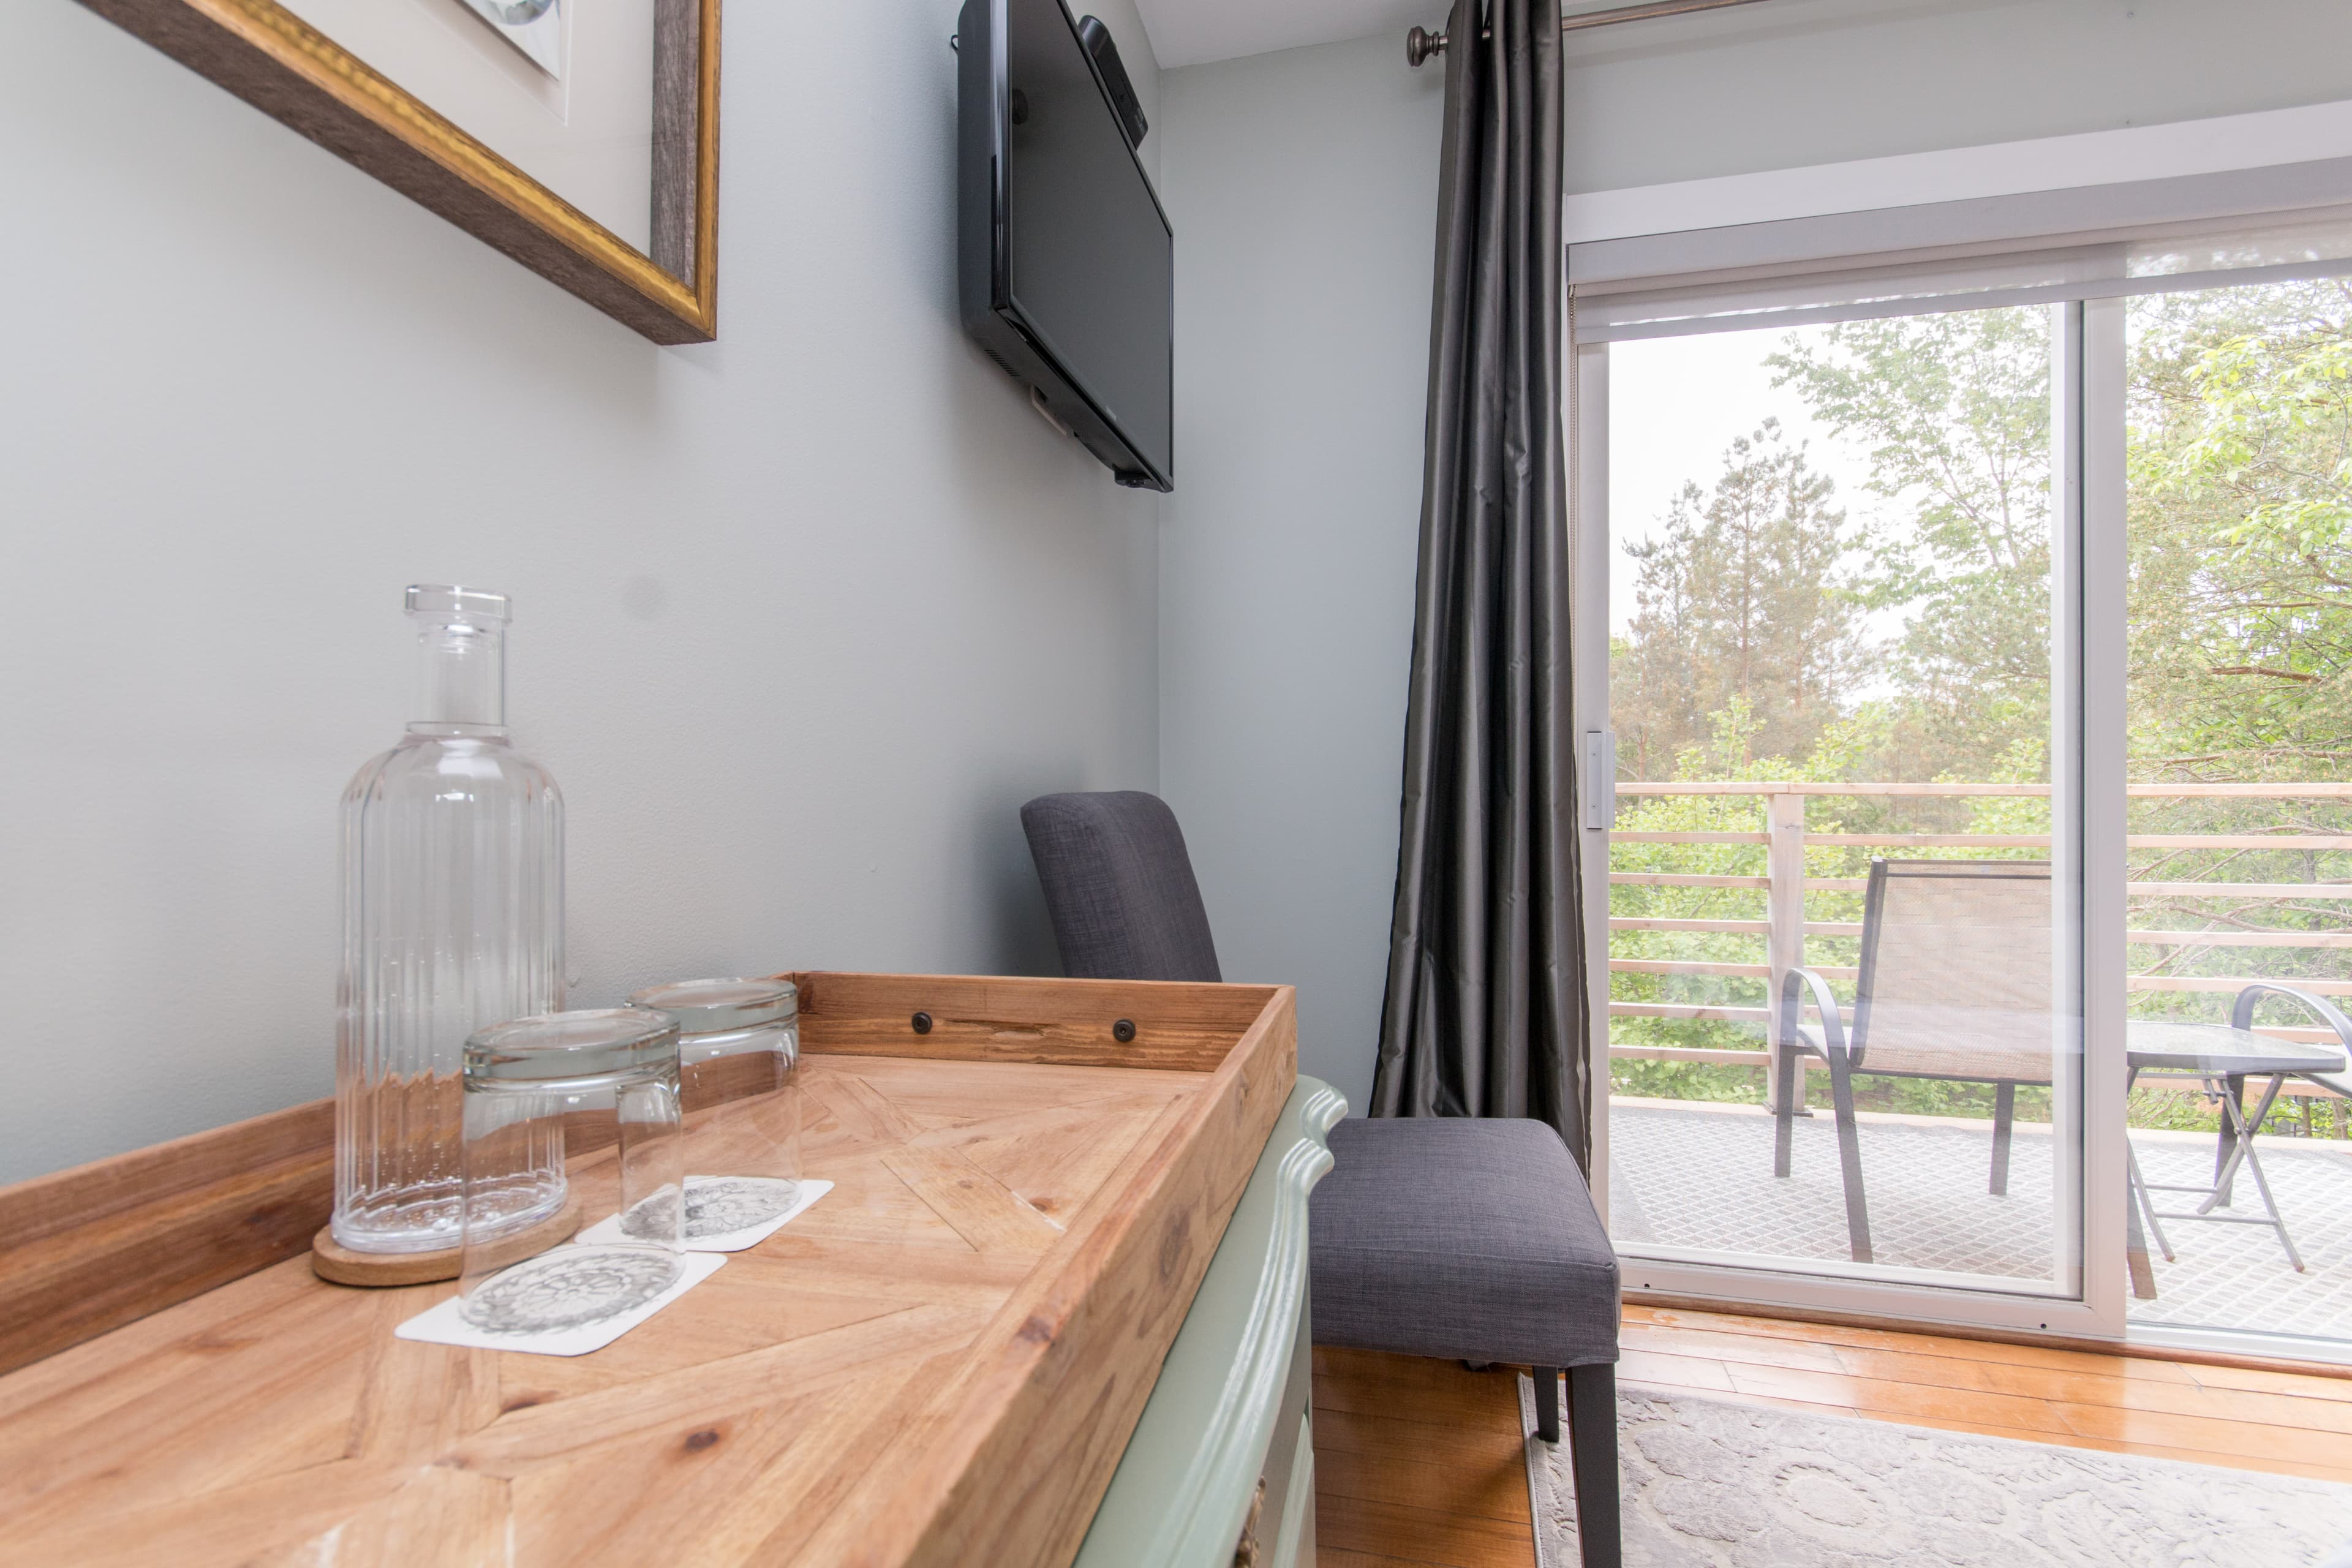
<point>940,1362</point>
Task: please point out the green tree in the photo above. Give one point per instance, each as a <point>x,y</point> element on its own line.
<point>1741,600</point>
<point>2242,532</point>
<point>1954,412</point>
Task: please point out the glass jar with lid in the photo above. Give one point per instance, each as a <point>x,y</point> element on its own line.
<point>738,1055</point>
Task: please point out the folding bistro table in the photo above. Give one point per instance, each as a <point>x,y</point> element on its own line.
<point>2222,1058</point>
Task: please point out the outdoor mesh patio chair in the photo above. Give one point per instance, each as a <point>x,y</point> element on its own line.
<point>1955,984</point>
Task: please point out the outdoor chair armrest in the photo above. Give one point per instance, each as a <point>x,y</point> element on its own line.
<point>2241,1014</point>
<point>1792,1007</point>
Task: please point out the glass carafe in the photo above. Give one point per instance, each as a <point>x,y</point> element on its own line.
<point>453,920</point>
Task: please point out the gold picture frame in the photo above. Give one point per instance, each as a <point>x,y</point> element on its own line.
<point>282,66</point>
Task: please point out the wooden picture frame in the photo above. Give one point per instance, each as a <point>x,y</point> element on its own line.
<point>282,66</point>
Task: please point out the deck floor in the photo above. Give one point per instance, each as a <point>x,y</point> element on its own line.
<point>1688,1175</point>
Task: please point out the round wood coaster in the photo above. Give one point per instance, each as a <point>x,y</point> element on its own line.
<point>339,1264</point>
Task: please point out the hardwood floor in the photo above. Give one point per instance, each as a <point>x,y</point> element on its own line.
<point>1418,1462</point>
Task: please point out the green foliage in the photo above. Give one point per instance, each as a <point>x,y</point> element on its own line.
<point>1954,411</point>
<point>2241,487</point>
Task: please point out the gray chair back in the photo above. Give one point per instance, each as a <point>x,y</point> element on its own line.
<point>1956,970</point>
<point>1119,887</point>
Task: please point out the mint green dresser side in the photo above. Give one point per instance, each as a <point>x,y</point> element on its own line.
<point>1229,1406</point>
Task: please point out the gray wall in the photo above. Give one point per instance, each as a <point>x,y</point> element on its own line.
<point>801,616</point>
<point>1303,185</point>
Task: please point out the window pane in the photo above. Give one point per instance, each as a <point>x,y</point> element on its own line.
<point>2240,543</point>
<point>1831,620</point>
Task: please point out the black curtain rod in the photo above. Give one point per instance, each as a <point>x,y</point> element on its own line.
<point>1420,44</point>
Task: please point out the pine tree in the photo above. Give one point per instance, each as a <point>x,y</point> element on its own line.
<point>1742,601</point>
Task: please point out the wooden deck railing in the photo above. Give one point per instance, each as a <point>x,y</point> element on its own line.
<point>1785,884</point>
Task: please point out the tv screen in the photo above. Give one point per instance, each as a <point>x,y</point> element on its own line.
<point>1068,263</point>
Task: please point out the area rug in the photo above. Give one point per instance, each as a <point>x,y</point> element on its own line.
<point>1714,1485</point>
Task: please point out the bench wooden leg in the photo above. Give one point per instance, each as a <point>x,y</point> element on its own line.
<point>1546,1382</point>
<point>1593,1454</point>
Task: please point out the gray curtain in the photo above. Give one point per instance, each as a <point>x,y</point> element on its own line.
<point>1485,1007</point>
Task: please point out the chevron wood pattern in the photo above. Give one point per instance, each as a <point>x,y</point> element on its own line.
<point>939,1364</point>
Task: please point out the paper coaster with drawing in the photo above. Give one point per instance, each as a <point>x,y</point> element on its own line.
<point>446,1324</point>
<point>726,1214</point>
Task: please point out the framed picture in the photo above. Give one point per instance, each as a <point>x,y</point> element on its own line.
<point>581,137</point>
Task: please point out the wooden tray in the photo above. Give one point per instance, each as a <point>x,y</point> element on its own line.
<point>939,1363</point>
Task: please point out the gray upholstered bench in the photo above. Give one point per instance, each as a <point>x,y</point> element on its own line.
<point>1476,1240</point>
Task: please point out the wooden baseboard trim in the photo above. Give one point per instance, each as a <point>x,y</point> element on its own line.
<point>2137,1350</point>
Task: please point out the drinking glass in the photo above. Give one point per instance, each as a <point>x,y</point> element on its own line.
<point>738,1050</point>
<point>532,1086</point>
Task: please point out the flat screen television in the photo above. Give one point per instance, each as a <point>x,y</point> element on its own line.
<point>1066,263</point>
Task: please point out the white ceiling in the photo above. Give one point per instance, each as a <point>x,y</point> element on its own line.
<point>1189,32</point>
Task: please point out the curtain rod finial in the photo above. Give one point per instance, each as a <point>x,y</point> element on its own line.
<point>1419,45</point>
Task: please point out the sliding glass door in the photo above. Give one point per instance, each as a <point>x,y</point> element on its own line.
<point>1969,651</point>
<point>1843,897</point>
